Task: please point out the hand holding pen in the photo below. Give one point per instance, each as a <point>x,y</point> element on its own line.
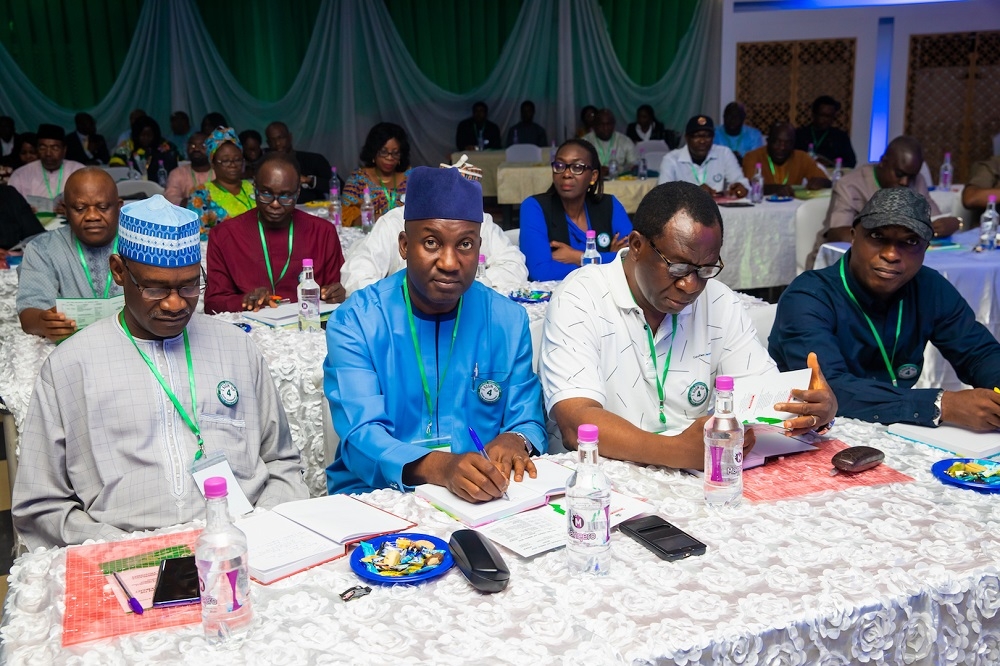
<point>482,449</point>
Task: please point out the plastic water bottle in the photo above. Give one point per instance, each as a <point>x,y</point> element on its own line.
<point>552,152</point>
<point>221,556</point>
<point>481,269</point>
<point>335,206</point>
<point>838,170</point>
<point>367,212</point>
<point>988,225</point>
<point>588,509</point>
<point>515,138</point>
<point>643,170</point>
<point>590,253</point>
<point>161,175</point>
<point>812,151</point>
<point>613,166</point>
<point>757,186</point>
<point>133,172</point>
<point>723,449</point>
<point>309,293</point>
<point>947,174</point>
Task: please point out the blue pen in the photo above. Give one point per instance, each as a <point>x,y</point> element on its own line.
<point>482,449</point>
<point>133,603</point>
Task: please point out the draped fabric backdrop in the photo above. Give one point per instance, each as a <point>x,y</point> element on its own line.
<point>332,68</point>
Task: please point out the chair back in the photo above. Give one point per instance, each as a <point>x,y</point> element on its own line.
<point>524,152</point>
<point>132,189</point>
<point>654,158</point>
<point>652,146</point>
<point>762,317</point>
<point>117,172</point>
<point>808,223</point>
<point>514,235</point>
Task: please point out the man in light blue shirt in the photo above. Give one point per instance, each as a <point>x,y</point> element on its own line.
<point>713,168</point>
<point>736,136</point>
<point>417,359</point>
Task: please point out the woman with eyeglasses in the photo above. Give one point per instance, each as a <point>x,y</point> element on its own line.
<point>228,194</point>
<point>386,160</point>
<point>554,225</point>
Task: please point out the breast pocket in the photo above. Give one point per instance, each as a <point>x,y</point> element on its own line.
<point>229,436</point>
<point>488,402</point>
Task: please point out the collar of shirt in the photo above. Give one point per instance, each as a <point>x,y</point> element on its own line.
<point>685,156</point>
<point>869,303</point>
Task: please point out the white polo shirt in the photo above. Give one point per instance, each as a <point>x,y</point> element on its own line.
<point>719,169</point>
<point>595,345</point>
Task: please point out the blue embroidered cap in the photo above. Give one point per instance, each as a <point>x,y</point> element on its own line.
<point>442,194</point>
<point>157,233</point>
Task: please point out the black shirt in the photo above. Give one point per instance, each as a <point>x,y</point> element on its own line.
<point>467,134</point>
<point>527,133</point>
<point>314,164</point>
<point>17,222</point>
<point>831,144</point>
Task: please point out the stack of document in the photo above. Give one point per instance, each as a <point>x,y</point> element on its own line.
<point>286,314</point>
<point>957,440</point>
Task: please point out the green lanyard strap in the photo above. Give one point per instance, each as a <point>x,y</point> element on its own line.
<point>48,187</point>
<point>185,415</point>
<point>699,177</point>
<point>660,383</point>
<point>881,347</point>
<point>774,176</point>
<point>817,142</point>
<point>390,200</point>
<point>267,256</point>
<point>431,404</point>
<point>603,155</point>
<point>86,269</point>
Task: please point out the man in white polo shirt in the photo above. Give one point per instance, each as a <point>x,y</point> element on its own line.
<point>712,167</point>
<point>603,321</point>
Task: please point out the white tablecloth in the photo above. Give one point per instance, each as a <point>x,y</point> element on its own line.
<point>976,275</point>
<point>897,574</point>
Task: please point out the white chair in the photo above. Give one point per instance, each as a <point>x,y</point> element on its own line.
<point>808,223</point>
<point>762,317</point>
<point>514,235</point>
<point>117,172</point>
<point>524,152</point>
<point>131,188</point>
<point>654,158</point>
<point>652,146</point>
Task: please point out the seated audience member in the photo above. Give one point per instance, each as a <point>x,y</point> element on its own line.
<point>899,167</point>
<point>399,386</point>
<point>85,145</point>
<point>25,151</point>
<point>527,131</point>
<point>647,128</point>
<point>7,136</point>
<point>712,168</point>
<point>180,132</point>
<point>828,142</point>
<point>478,132</point>
<point>253,152</point>
<point>634,345</point>
<point>781,165</point>
<point>378,255</point>
<point>211,120</point>
<point>386,160</point>
<point>588,118</point>
<point>133,116</point>
<point>72,261</point>
<point>145,150</point>
<point>46,176</point>
<point>736,135</point>
<point>228,194</point>
<point>869,317</point>
<point>100,461</point>
<point>315,168</point>
<point>610,142</point>
<point>17,222</point>
<point>984,180</point>
<point>259,254</point>
<point>190,176</point>
<point>554,225</point>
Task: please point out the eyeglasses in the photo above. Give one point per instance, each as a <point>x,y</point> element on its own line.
<point>283,199</point>
<point>386,154</point>
<point>229,163</point>
<point>159,293</point>
<point>683,270</point>
<point>575,169</point>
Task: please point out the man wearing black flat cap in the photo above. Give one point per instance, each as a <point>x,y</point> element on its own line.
<point>713,168</point>
<point>46,177</point>
<point>869,317</point>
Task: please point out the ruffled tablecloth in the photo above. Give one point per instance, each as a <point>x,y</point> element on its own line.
<point>900,574</point>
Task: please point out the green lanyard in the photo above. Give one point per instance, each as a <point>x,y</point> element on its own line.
<point>431,404</point>
<point>878,185</point>
<point>774,176</point>
<point>603,155</point>
<point>389,200</point>
<point>267,256</point>
<point>86,269</point>
<point>699,178</point>
<point>817,142</point>
<point>191,423</point>
<point>899,325</point>
<point>48,187</point>
<point>660,383</point>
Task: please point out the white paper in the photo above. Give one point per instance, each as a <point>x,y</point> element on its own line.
<point>236,498</point>
<point>341,518</point>
<point>953,439</point>
<point>285,314</point>
<point>85,311</point>
<point>274,542</point>
<point>754,397</point>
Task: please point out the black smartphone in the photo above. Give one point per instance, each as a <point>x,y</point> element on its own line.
<point>667,541</point>
<point>177,583</point>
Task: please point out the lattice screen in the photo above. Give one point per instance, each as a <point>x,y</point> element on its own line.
<point>953,97</point>
<point>779,80</point>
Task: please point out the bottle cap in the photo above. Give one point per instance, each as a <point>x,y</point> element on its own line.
<point>215,487</point>
<point>992,198</point>
<point>586,433</point>
<point>758,165</point>
<point>307,262</point>
<point>591,233</point>
<point>482,258</point>
<point>947,156</point>
<point>723,383</point>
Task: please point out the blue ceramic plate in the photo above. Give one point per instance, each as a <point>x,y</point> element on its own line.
<point>360,569</point>
<point>776,198</point>
<point>533,296</point>
<point>939,469</point>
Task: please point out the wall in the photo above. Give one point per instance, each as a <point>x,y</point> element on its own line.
<point>862,24</point>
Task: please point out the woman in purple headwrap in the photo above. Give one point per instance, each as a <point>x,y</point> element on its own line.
<point>228,195</point>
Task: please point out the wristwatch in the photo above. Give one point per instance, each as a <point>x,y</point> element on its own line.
<point>524,438</point>
<point>937,408</point>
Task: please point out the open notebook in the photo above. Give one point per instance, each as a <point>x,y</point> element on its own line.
<point>286,314</point>
<point>297,535</point>
<point>951,438</point>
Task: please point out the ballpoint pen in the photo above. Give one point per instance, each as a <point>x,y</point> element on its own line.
<point>133,603</point>
<point>482,449</point>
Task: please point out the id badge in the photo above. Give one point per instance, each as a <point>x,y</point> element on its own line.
<point>442,444</point>
<point>215,464</point>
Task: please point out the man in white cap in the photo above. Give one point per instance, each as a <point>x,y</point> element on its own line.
<point>417,359</point>
<point>126,412</point>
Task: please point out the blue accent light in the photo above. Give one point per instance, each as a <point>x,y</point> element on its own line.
<point>879,137</point>
<point>770,5</point>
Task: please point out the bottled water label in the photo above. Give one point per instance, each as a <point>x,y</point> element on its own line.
<point>308,315</point>
<point>726,464</point>
<point>589,523</point>
<point>222,591</point>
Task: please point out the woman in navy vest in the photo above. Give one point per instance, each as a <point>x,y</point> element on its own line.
<point>554,224</point>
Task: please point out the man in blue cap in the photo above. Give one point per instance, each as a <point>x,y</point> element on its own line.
<point>418,358</point>
<point>125,413</point>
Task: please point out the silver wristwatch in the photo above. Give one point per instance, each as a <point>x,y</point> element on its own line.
<point>937,408</point>
<point>524,438</point>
